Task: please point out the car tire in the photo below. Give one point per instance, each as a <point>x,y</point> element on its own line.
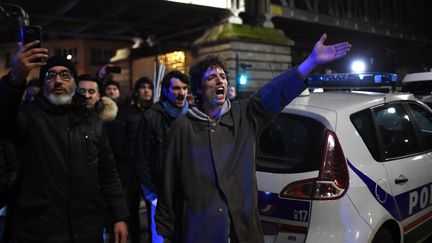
<point>383,236</point>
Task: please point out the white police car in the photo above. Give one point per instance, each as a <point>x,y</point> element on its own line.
<point>419,84</point>
<point>347,166</point>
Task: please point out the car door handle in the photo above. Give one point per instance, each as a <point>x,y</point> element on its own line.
<point>401,179</point>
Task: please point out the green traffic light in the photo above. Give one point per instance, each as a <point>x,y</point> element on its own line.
<point>243,78</point>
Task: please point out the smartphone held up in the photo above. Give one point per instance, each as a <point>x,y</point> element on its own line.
<point>113,69</point>
<point>29,34</point>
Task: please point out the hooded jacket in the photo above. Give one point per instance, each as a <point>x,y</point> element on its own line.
<point>208,176</point>
<point>68,173</point>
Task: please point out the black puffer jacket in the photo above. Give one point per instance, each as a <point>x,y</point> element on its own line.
<point>131,117</point>
<point>150,145</point>
<point>68,173</point>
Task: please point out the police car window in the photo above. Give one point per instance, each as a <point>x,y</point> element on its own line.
<point>364,124</point>
<point>290,144</point>
<point>396,131</point>
<point>423,118</point>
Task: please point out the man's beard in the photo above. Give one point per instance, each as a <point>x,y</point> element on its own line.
<point>60,99</point>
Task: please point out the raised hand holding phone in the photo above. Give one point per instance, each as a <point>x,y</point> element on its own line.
<point>25,60</point>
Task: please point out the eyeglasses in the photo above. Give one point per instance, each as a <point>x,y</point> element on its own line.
<point>64,75</point>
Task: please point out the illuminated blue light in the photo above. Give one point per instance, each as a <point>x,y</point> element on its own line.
<point>378,79</point>
<point>243,79</point>
<point>351,80</point>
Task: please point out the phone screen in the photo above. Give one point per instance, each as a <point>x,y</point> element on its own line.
<point>114,69</point>
<point>31,33</point>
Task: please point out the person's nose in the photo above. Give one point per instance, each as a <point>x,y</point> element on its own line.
<point>58,79</point>
<point>219,80</point>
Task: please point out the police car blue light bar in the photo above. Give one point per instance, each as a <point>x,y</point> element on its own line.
<point>351,80</point>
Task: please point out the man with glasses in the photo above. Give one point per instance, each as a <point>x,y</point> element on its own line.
<point>68,175</point>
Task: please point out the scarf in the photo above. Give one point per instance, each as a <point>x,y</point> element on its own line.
<point>175,112</point>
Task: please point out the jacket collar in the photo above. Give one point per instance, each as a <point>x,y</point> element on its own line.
<point>198,124</point>
<point>78,108</point>
<point>159,109</point>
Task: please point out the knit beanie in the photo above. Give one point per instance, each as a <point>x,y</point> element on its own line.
<point>112,82</point>
<point>57,61</point>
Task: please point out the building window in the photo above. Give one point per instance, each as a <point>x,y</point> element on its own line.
<point>174,60</point>
<point>100,56</point>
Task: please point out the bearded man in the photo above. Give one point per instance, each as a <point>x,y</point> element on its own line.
<point>68,174</point>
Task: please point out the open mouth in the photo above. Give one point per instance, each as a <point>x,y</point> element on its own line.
<point>220,92</point>
<point>180,98</point>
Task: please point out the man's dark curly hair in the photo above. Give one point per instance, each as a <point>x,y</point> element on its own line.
<point>166,81</point>
<point>197,71</point>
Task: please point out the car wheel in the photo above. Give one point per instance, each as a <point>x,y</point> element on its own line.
<point>383,236</point>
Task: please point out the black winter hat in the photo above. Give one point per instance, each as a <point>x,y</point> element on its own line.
<point>112,82</point>
<point>57,61</point>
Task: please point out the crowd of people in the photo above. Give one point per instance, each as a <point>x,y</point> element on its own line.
<point>75,159</point>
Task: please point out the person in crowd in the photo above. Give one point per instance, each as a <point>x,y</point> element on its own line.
<point>112,90</point>
<point>142,99</point>
<point>104,74</point>
<point>231,93</point>
<point>8,176</point>
<point>107,110</point>
<point>33,87</point>
<point>89,87</point>
<point>208,190</point>
<point>67,173</point>
<point>152,137</point>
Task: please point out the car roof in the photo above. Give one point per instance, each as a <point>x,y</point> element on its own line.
<point>327,106</point>
<point>339,100</point>
<point>415,77</point>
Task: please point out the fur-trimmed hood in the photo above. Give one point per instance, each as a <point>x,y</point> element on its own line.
<point>109,112</point>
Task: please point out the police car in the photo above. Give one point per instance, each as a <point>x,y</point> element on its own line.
<point>347,166</point>
<point>420,84</point>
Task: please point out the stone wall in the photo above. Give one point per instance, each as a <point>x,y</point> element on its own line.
<point>267,60</point>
